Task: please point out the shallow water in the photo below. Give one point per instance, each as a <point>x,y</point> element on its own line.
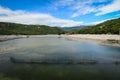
<point>59,49</point>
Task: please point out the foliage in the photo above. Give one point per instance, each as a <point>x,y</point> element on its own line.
<point>2,77</point>
<point>20,29</point>
<point>107,27</point>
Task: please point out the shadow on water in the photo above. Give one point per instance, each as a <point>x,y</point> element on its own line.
<point>61,72</point>
<point>62,49</point>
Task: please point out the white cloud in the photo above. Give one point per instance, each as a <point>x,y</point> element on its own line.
<point>84,11</point>
<point>114,6</point>
<point>7,11</point>
<point>60,3</point>
<point>78,7</point>
<point>83,7</point>
<point>97,22</point>
<point>24,17</point>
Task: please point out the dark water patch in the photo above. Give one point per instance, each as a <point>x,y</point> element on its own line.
<point>63,72</point>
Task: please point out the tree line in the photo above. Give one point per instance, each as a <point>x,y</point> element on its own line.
<point>20,29</point>
<point>107,27</point>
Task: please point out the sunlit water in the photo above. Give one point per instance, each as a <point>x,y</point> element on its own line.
<point>59,49</point>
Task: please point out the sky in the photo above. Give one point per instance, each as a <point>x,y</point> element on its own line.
<point>62,13</point>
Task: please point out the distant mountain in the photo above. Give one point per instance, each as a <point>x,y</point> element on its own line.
<point>21,29</point>
<point>107,27</point>
<point>72,28</point>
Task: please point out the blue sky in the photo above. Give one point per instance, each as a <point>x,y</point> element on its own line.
<point>63,13</point>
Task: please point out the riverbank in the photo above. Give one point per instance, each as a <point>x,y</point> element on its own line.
<point>10,37</point>
<point>109,40</point>
<point>93,36</point>
<point>102,39</point>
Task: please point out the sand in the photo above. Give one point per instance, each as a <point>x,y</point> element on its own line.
<point>102,39</point>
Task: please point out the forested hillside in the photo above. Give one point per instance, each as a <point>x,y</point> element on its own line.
<point>107,27</point>
<point>20,29</point>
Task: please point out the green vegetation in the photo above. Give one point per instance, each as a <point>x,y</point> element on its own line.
<point>2,77</point>
<point>107,27</point>
<point>20,29</point>
<point>113,41</point>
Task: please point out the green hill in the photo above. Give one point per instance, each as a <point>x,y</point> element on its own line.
<point>20,29</point>
<point>107,27</point>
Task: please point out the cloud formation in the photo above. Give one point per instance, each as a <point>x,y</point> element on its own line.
<point>114,6</point>
<point>83,7</point>
<point>24,17</point>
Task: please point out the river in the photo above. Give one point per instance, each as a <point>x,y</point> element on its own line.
<point>59,49</point>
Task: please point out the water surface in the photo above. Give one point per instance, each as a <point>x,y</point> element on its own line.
<point>59,49</point>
